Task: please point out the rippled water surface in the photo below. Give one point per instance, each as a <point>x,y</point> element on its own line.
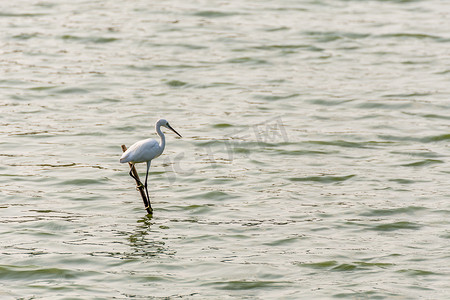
<point>313,163</point>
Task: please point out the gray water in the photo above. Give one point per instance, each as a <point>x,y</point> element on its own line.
<point>313,163</point>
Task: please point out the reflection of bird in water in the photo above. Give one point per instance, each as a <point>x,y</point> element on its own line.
<point>146,150</point>
<point>143,243</point>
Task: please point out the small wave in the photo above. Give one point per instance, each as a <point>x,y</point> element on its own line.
<point>323,179</point>
<point>283,241</point>
<point>25,36</point>
<point>43,88</point>
<point>303,152</point>
<point>247,60</point>
<point>289,47</point>
<point>215,195</point>
<point>404,35</point>
<point>403,181</point>
<point>423,163</point>
<point>330,36</point>
<point>6,14</point>
<point>335,266</point>
<point>436,116</point>
<point>319,265</point>
<point>280,97</point>
<point>397,226</point>
<point>222,125</point>
<point>410,95</point>
<point>426,139</point>
<point>176,83</point>
<point>385,105</point>
<point>96,40</point>
<point>424,153</point>
<point>81,182</point>
<point>393,211</point>
<point>415,272</point>
<point>214,14</point>
<point>30,272</point>
<point>245,284</point>
<point>71,90</point>
<point>436,138</point>
<point>62,165</point>
<point>273,29</point>
<point>342,143</point>
<point>325,102</point>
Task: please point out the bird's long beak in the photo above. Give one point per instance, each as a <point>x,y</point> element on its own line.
<point>170,127</point>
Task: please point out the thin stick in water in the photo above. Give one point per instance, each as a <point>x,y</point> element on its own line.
<point>139,186</point>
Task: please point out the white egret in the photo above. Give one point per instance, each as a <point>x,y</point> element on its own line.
<point>146,150</point>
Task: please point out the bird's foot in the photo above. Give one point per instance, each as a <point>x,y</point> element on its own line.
<point>139,186</point>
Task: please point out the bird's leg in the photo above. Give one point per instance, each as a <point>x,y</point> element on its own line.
<point>137,180</point>
<point>146,176</point>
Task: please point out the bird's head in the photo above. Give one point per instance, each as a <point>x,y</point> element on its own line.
<point>163,122</point>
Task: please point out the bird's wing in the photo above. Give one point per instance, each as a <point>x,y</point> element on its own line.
<point>141,151</point>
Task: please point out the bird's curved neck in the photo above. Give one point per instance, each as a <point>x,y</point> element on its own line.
<point>162,144</point>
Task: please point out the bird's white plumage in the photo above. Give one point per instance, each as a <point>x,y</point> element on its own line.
<point>142,151</point>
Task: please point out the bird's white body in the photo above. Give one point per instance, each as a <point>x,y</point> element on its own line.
<point>142,151</point>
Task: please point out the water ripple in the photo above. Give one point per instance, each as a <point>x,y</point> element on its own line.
<point>312,165</point>
<point>323,179</point>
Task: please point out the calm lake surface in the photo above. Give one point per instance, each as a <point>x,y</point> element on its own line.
<point>314,162</point>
